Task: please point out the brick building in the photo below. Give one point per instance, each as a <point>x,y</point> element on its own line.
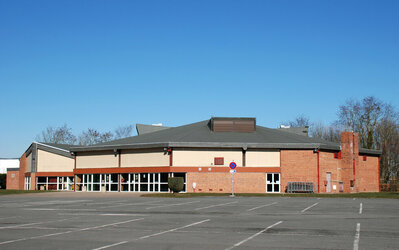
<point>43,166</point>
<point>268,160</point>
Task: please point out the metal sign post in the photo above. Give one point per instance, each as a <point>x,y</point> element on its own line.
<point>232,183</point>
<point>232,166</point>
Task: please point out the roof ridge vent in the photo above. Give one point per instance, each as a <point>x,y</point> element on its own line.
<point>233,124</point>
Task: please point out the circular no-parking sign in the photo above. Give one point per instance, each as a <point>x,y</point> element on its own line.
<point>232,165</point>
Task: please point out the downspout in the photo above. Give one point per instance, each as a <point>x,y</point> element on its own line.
<point>379,173</point>
<point>74,176</point>
<point>244,156</point>
<point>37,158</point>
<point>354,160</point>
<point>170,151</point>
<point>318,171</point>
<point>119,165</point>
<point>36,161</point>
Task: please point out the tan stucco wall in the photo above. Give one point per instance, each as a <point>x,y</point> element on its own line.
<point>104,159</point>
<point>205,157</point>
<point>50,162</point>
<point>29,163</point>
<point>264,158</point>
<point>144,159</point>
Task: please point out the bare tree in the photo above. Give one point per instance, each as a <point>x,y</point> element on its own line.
<point>123,132</point>
<point>378,126</point>
<point>92,136</point>
<point>299,121</point>
<point>60,135</point>
<point>325,132</point>
<point>388,141</point>
<point>362,117</point>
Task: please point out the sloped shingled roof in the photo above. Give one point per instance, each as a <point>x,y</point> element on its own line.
<point>145,129</point>
<point>60,149</point>
<point>199,134</point>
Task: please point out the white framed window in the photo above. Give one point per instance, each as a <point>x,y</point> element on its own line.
<point>144,182</point>
<point>54,183</point>
<point>129,182</point>
<point>97,182</point>
<point>273,182</point>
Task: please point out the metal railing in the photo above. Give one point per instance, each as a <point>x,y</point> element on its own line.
<point>301,187</point>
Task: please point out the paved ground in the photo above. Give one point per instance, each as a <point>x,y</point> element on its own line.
<point>125,221</point>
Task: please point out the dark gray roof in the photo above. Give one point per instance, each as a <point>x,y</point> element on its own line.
<point>296,130</point>
<point>60,146</point>
<point>12,169</point>
<point>60,149</point>
<point>199,135</point>
<point>145,129</point>
<point>370,151</point>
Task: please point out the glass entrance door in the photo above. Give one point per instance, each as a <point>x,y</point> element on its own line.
<point>273,183</point>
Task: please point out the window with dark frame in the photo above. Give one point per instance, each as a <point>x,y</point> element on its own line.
<point>219,161</point>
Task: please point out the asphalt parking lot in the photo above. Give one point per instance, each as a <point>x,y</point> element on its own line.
<point>126,221</point>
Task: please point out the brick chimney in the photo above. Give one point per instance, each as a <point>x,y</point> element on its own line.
<point>349,160</point>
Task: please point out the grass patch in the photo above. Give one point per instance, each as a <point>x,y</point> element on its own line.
<point>6,192</point>
<point>384,195</point>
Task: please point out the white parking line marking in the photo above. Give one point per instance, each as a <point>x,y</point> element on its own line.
<point>253,236</point>
<point>361,208</point>
<point>122,215</point>
<point>30,224</point>
<point>170,205</point>
<point>105,214</point>
<point>174,229</point>
<point>218,205</point>
<point>112,245</point>
<point>309,207</point>
<point>251,209</point>
<point>132,204</point>
<point>108,202</point>
<point>152,235</point>
<point>55,202</point>
<point>60,209</point>
<point>357,237</point>
<point>67,232</point>
<point>3,218</point>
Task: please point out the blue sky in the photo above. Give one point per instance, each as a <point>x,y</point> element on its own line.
<point>104,64</point>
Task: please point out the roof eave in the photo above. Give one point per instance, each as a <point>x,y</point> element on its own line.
<point>370,151</point>
<point>47,148</point>
<point>208,145</point>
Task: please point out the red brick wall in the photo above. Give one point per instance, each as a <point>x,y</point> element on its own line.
<point>18,182</point>
<point>301,165</point>
<point>367,174</point>
<point>298,165</point>
<point>327,163</point>
<point>349,161</point>
<point>221,182</point>
<point>33,181</point>
<point>13,182</point>
<point>22,170</point>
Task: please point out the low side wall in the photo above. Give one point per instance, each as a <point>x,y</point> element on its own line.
<point>367,171</point>
<point>298,166</point>
<point>13,179</point>
<point>221,182</point>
